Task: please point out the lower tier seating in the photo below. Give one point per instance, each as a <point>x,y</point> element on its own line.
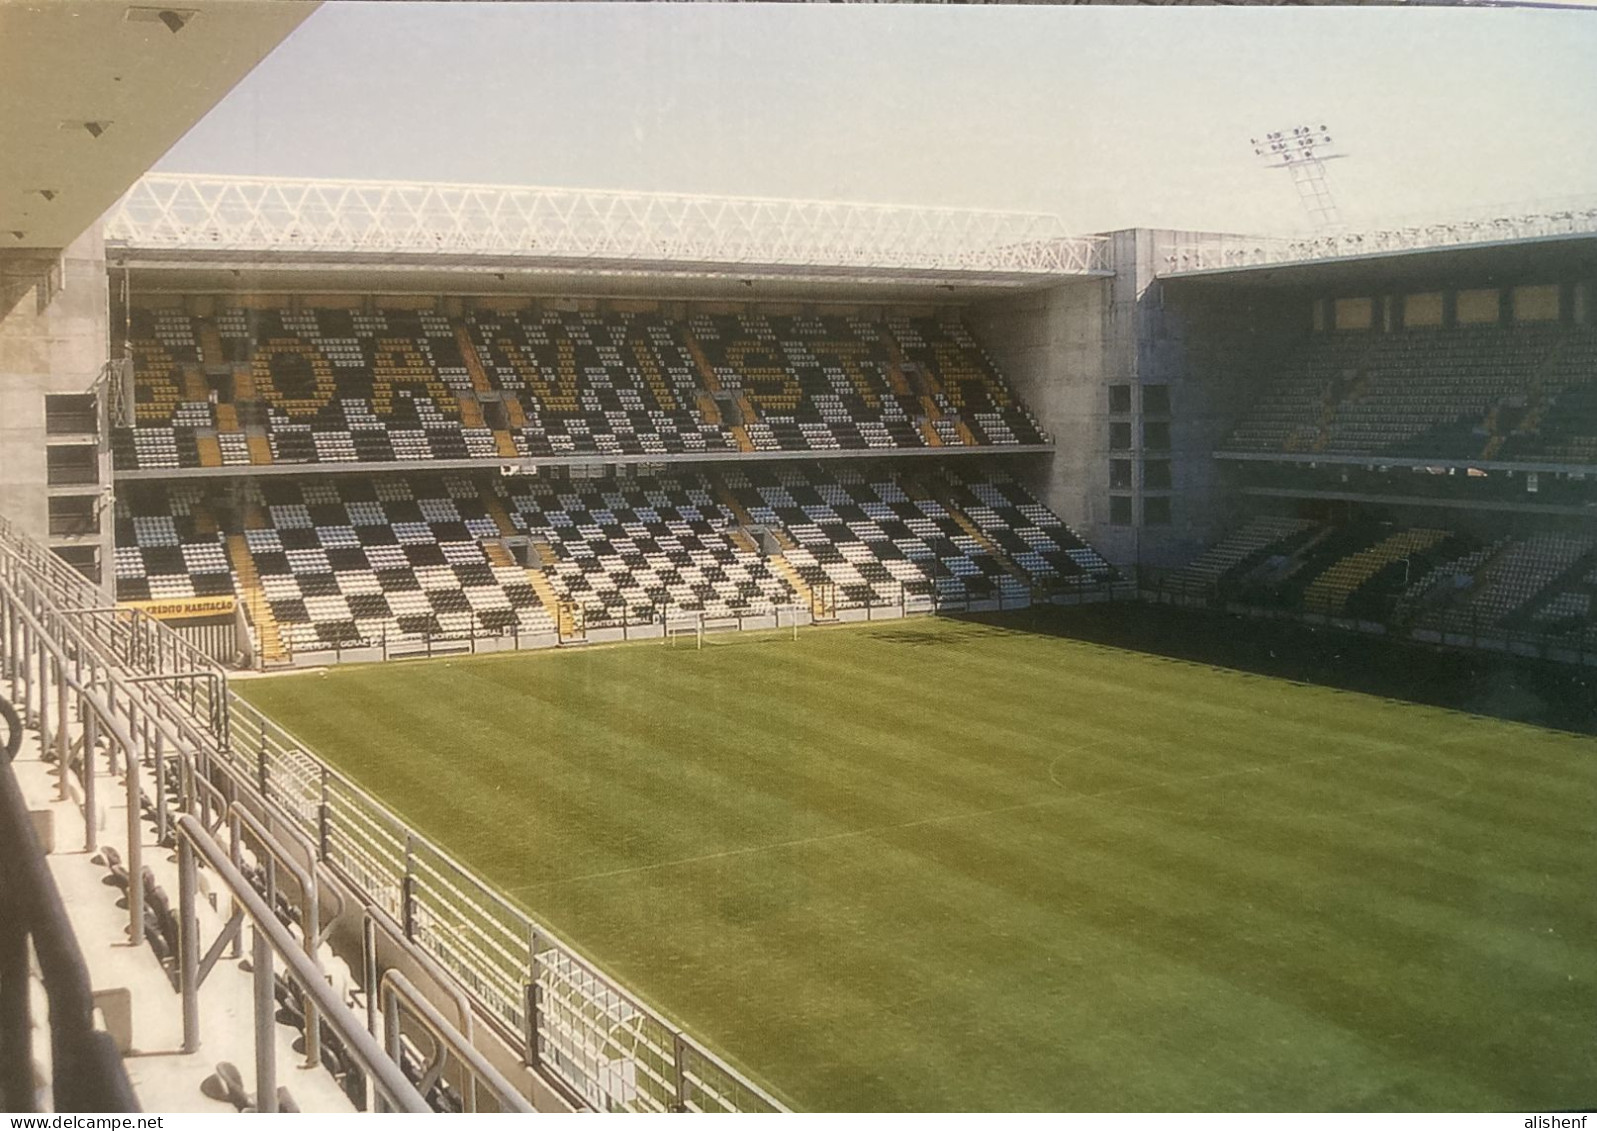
<point>1543,582</point>
<point>357,559</point>
<point>881,535</point>
<point>325,561</point>
<point>1261,538</point>
<point>643,547</point>
<point>168,546</point>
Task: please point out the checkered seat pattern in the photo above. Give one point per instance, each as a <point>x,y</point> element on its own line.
<point>614,384</point>
<point>1037,541</point>
<point>818,383</point>
<point>160,554</point>
<point>346,386</point>
<point>644,547</point>
<point>870,534</point>
<point>972,388</point>
<point>167,411</point>
<point>361,560</point>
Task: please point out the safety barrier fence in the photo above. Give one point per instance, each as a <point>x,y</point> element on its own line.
<point>629,623</point>
<point>86,1073</point>
<point>158,703</point>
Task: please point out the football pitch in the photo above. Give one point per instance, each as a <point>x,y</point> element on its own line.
<point>936,864</point>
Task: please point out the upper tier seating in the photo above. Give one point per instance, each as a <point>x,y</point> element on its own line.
<point>621,384</point>
<point>341,386</point>
<point>171,399</point>
<point>167,545</point>
<point>965,382</point>
<point>618,548</point>
<point>331,385</point>
<point>813,383</point>
<point>1525,393</point>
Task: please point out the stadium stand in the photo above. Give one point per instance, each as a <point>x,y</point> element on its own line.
<point>324,562</point>
<point>1409,575</point>
<point>168,545</point>
<point>354,560</point>
<point>614,549</point>
<point>580,383</point>
<point>1263,537</point>
<point>1523,569</point>
<point>880,536</point>
<point>331,385</point>
<point>1525,392</point>
<point>971,402</point>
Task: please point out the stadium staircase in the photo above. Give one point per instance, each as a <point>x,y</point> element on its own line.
<point>713,384</point>
<point>268,636</point>
<point>931,410</point>
<point>569,622</point>
<point>801,588</point>
<point>471,415</point>
<point>260,447</point>
<point>211,351</point>
<point>939,489</point>
<point>803,592</point>
<point>708,408</point>
<point>210,449</point>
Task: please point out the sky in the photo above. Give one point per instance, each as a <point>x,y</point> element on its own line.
<point>1108,117</point>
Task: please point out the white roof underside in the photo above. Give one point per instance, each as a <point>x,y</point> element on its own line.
<point>193,220</point>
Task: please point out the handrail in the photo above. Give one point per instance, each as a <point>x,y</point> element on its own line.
<point>567,1017</point>
<point>272,938</point>
<point>395,990</point>
<point>86,1068</point>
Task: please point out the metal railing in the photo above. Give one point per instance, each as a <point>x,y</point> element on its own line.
<point>156,701</point>
<point>251,217</point>
<point>86,1073</point>
<point>272,942</point>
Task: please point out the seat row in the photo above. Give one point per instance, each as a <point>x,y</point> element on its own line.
<point>1524,392</point>
<point>1421,575</point>
<point>325,385</point>
<point>332,561</point>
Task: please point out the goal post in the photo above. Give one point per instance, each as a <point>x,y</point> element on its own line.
<point>685,624</point>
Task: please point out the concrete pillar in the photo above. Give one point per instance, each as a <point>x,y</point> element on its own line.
<point>54,325</point>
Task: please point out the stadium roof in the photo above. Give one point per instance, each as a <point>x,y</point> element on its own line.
<point>1565,223</point>
<point>259,223</point>
<point>92,92</point>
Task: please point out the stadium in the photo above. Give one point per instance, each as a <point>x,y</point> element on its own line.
<point>475,647</point>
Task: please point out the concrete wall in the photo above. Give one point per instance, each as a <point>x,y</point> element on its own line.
<point>53,332</point>
<point>1064,348</point>
<point>1214,346</point>
<point>1051,346</point>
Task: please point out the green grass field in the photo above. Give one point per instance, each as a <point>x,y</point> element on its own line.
<point>939,864</point>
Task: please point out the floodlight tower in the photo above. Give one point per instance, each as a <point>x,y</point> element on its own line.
<point>1303,151</point>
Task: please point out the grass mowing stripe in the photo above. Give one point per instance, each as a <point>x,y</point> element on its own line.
<point>1265,895</point>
